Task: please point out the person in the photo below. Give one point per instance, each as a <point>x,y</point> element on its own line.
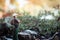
<point>15,23</point>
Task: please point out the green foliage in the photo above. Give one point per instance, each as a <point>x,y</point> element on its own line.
<point>27,22</point>
<point>44,25</point>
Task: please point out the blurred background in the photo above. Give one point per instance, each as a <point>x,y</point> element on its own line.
<point>31,6</point>
<point>33,13</point>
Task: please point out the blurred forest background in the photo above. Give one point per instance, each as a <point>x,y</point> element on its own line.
<point>41,14</point>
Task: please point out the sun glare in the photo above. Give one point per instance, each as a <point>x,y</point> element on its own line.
<point>31,6</point>
<point>22,3</point>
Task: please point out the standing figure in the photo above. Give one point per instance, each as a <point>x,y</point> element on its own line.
<point>15,23</point>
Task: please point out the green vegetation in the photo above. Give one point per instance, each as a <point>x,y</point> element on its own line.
<point>28,22</point>
<point>44,25</point>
